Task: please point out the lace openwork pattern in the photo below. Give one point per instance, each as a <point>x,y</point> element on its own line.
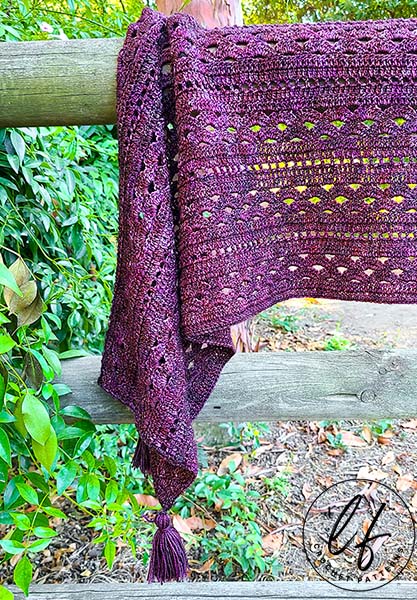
<point>257,163</point>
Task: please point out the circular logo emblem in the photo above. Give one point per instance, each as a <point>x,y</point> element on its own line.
<point>359,533</point>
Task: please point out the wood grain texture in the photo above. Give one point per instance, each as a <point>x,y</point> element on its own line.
<point>58,82</point>
<point>360,384</point>
<point>262,590</point>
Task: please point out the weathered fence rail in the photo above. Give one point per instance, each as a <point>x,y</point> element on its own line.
<point>354,384</point>
<point>58,82</point>
<point>262,590</point>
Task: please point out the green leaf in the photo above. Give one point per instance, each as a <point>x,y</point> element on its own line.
<point>66,476</point>
<point>7,279</point>
<point>93,487</point>
<point>110,465</point>
<point>12,546</point>
<point>110,552</point>
<point>5,452</point>
<point>5,594</point>
<point>52,359</point>
<point>44,532</point>
<point>62,389</point>
<point>2,388</point>
<point>6,343</point>
<point>18,144</point>
<point>21,521</point>
<point>112,491</point>
<point>39,545</point>
<point>22,574</point>
<point>70,221</point>
<point>75,411</point>
<point>36,418</point>
<point>11,493</point>
<point>46,453</point>
<point>93,504</point>
<point>4,473</point>
<point>28,493</point>
<point>54,512</point>
<point>70,180</point>
<point>19,424</point>
<point>38,481</point>
<point>46,368</point>
<point>6,417</point>
<point>81,493</point>
<point>83,443</point>
<point>3,319</point>
<point>75,353</point>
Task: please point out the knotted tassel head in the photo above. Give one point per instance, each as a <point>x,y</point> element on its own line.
<point>141,458</point>
<point>168,558</point>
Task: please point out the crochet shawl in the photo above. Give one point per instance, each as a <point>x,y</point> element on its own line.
<point>257,163</point>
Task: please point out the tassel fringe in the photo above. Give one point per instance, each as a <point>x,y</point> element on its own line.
<point>168,558</point>
<point>141,458</point>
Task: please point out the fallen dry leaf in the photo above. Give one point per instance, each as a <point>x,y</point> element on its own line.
<point>181,525</point>
<point>194,523</point>
<point>225,465</point>
<point>218,505</point>
<point>335,451</point>
<point>307,491</point>
<point>352,440</point>
<point>86,573</point>
<point>325,481</point>
<point>385,438</point>
<point>263,448</point>
<point>366,525</point>
<point>253,470</point>
<point>197,523</point>
<point>321,436</point>
<point>296,539</point>
<point>397,469</point>
<point>388,458</point>
<point>367,434</point>
<point>147,500</point>
<point>367,472</point>
<point>272,542</point>
<point>204,568</point>
<point>65,550</point>
<point>14,559</point>
<point>404,482</point>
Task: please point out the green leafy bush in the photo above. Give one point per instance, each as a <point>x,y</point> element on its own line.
<point>58,209</point>
<point>48,450</point>
<point>235,543</point>
<point>288,11</point>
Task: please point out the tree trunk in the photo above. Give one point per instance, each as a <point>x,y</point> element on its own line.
<point>210,13</point>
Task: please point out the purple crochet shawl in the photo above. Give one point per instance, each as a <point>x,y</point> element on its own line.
<point>257,164</point>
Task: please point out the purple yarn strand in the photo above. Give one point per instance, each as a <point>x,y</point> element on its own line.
<point>168,560</point>
<point>141,457</point>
